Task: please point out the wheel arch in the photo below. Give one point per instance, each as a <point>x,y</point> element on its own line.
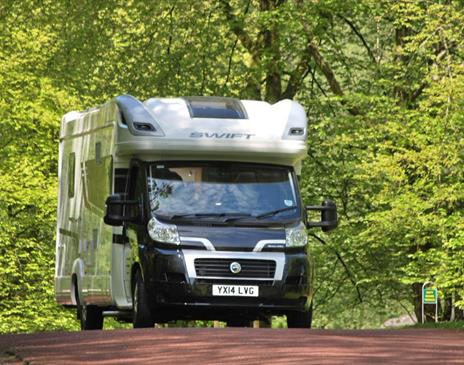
<point>76,281</point>
<point>74,286</point>
<point>135,267</point>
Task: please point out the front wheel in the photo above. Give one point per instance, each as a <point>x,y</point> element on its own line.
<point>91,316</point>
<point>300,319</point>
<point>142,314</point>
<point>239,323</point>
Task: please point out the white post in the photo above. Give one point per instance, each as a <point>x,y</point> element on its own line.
<point>422,301</point>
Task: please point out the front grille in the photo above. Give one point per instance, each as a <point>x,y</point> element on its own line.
<point>209,267</point>
<point>234,282</point>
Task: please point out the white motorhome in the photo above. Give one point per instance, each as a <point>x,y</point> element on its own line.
<point>185,208</point>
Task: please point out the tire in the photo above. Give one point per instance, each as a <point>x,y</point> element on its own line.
<point>239,323</point>
<point>90,316</point>
<point>300,319</point>
<point>265,321</point>
<point>142,317</point>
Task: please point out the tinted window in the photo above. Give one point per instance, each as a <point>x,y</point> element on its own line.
<point>71,174</point>
<point>219,188</point>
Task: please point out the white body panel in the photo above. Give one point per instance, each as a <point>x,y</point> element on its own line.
<point>263,137</point>
<point>84,242</point>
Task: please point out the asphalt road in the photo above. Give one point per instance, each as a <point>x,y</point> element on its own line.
<point>236,346</point>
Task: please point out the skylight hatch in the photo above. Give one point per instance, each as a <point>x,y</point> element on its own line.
<point>215,107</point>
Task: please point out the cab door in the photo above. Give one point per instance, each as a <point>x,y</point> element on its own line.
<point>135,231</point>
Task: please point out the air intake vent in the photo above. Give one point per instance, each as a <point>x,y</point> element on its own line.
<point>296,131</point>
<point>239,281</point>
<point>249,268</point>
<point>145,127</point>
<point>215,107</point>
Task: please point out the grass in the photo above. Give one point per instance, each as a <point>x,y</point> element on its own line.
<point>457,325</point>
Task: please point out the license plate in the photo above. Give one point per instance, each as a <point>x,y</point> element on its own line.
<point>235,290</point>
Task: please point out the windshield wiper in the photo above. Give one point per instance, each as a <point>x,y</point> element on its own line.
<point>207,215</point>
<point>237,216</point>
<point>228,217</point>
<point>274,212</point>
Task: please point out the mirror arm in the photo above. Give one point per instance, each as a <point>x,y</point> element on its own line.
<point>321,224</point>
<point>125,202</point>
<point>118,202</point>
<point>328,210</point>
<point>320,207</point>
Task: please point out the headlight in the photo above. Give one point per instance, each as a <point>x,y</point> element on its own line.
<point>296,236</point>
<point>163,232</point>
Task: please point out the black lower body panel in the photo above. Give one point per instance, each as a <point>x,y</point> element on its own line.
<point>173,295</point>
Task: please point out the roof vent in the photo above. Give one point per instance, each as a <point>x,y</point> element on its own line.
<point>144,127</point>
<point>296,131</point>
<point>215,107</point>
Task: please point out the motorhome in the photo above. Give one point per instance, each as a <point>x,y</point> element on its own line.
<point>183,209</point>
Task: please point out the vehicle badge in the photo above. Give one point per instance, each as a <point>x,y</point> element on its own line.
<point>235,267</point>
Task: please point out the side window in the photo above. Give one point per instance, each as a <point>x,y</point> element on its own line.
<point>71,174</point>
<point>98,153</point>
<point>120,180</point>
<point>133,182</point>
<point>136,189</point>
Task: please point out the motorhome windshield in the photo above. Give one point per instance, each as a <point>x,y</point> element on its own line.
<point>222,190</point>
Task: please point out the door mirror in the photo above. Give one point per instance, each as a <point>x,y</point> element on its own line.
<point>329,219</point>
<point>120,210</point>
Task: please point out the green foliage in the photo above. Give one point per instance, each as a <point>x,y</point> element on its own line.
<point>383,85</point>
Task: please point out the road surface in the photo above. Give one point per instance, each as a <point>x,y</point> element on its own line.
<point>188,346</point>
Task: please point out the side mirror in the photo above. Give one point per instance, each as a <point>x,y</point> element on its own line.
<point>329,219</point>
<point>120,210</point>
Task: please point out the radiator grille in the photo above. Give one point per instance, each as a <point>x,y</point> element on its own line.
<point>209,267</point>
<point>235,282</point>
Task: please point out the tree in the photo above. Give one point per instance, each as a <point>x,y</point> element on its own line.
<point>382,83</point>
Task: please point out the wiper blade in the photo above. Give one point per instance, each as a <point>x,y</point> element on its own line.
<point>228,216</point>
<point>191,215</point>
<point>195,215</point>
<point>237,216</point>
<point>274,212</point>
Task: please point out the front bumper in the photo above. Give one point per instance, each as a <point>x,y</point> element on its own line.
<point>176,290</point>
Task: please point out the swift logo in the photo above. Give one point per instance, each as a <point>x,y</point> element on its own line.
<point>221,135</point>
